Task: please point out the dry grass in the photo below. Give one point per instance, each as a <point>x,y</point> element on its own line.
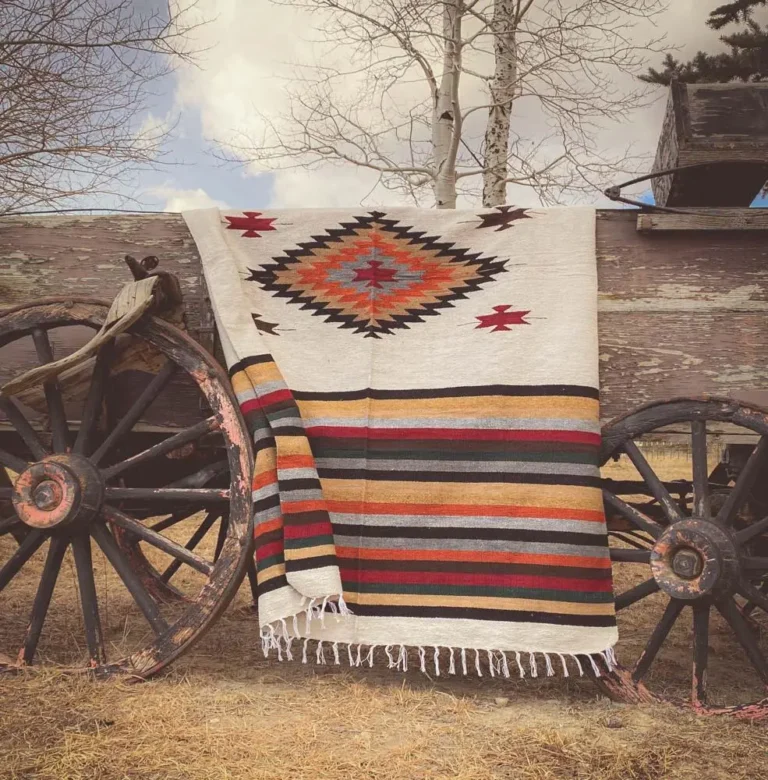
<point>224,712</point>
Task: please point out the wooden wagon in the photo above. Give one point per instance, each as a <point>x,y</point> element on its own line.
<point>146,434</point>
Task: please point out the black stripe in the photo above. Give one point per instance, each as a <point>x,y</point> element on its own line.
<point>474,567</point>
<point>300,484</point>
<point>273,584</point>
<point>469,613</point>
<point>271,502</point>
<point>253,360</point>
<point>581,391</point>
<point>480,534</point>
<point>303,564</point>
<point>321,445</point>
<point>463,478</point>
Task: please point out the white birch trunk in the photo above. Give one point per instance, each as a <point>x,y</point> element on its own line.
<point>502,93</point>
<point>446,121</point>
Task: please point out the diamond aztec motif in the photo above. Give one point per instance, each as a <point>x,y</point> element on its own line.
<point>376,276</point>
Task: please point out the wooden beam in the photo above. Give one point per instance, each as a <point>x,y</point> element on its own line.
<point>725,124</point>
<point>704,219</point>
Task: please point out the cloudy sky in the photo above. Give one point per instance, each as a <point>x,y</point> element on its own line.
<point>249,48</point>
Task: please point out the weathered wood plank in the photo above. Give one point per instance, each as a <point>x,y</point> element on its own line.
<point>679,313</point>
<point>713,123</point>
<point>705,219</point>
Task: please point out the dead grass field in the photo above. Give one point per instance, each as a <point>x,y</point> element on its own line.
<point>223,711</point>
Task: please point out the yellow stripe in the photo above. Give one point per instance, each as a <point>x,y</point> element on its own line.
<point>309,552</point>
<point>264,575</point>
<point>491,494</point>
<point>478,406</point>
<point>478,602</point>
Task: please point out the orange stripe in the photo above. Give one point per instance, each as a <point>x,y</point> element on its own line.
<point>482,557</point>
<point>295,461</point>
<point>270,525</point>
<point>462,510</point>
<point>304,506</point>
<point>263,480</point>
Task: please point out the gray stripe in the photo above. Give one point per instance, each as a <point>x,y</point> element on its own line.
<point>302,495</point>
<point>264,388</point>
<point>470,545</point>
<point>298,474</point>
<point>463,466</point>
<point>480,423</point>
<point>432,521</point>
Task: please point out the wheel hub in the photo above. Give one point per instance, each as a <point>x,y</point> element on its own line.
<point>60,490</point>
<point>694,559</point>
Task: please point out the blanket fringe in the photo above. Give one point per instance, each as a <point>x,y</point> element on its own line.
<point>437,659</point>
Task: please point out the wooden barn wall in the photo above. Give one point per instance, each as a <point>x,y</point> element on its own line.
<point>680,313</point>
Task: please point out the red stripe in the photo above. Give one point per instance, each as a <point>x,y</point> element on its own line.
<point>277,395</point>
<point>464,578</point>
<point>265,400</point>
<point>265,550</point>
<point>579,437</point>
<point>301,531</point>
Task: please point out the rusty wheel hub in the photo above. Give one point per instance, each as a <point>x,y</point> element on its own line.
<point>59,491</point>
<point>695,559</point>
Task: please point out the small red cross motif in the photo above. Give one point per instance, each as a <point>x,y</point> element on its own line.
<point>502,319</point>
<point>375,274</point>
<point>251,223</point>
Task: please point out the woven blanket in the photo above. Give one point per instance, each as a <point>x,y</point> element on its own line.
<point>422,389</point>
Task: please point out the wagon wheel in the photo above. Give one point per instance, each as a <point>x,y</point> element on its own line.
<point>78,469</point>
<point>690,569</point>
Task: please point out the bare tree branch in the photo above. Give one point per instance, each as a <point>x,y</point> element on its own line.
<point>75,95</point>
<point>437,95</point>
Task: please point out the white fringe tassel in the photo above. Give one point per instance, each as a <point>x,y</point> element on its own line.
<point>278,636</point>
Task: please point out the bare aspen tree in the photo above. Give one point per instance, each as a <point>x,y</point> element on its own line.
<point>75,89</point>
<point>449,97</point>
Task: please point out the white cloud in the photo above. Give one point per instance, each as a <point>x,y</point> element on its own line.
<point>184,200</point>
<point>249,50</point>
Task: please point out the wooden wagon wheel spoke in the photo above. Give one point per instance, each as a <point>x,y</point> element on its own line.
<point>89,604</point>
<point>120,564</point>
<point>701,504</point>
<point>751,531</point>
<point>659,635</point>
<point>729,610</point>
<point>9,523</point>
<point>53,397</point>
<point>201,477</point>
<point>172,519</point>
<point>700,652</point>
<point>657,488</point>
<point>15,464</point>
<point>754,563</point>
<point>193,541</point>
<point>56,549</point>
<point>637,593</point>
<point>632,539</point>
<point>183,554</point>
<point>31,544</point>
<point>622,555</point>
<point>132,416</point>
<point>221,537</point>
<point>744,484</point>
<point>21,425</point>
<point>193,433</point>
<point>201,495</point>
<point>93,402</point>
<point>635,516</point>
<point>756,597</point>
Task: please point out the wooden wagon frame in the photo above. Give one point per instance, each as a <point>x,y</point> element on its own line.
<point>683,296</point>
